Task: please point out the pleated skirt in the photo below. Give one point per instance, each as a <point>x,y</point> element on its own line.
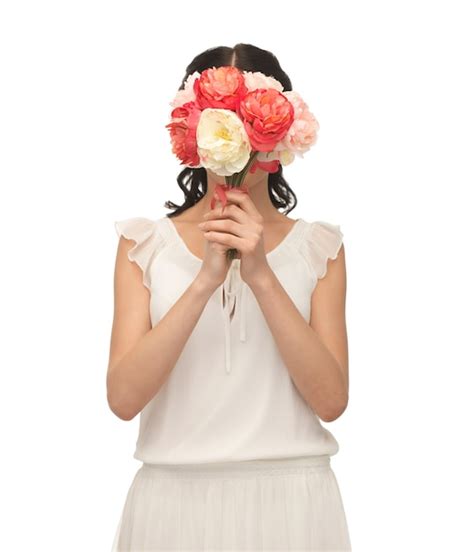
<point>277,504</point>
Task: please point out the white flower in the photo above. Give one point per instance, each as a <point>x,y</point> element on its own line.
<point>222,142</point>
<point>285,156</point>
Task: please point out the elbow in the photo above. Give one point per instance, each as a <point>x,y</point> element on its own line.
<point>334,411</point>
<point>121,409</point>
<point>118,399</point>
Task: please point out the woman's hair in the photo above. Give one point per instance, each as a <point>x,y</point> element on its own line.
<point>246,57</point>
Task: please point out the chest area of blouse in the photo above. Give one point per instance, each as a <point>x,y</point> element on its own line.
<point>234,301</point>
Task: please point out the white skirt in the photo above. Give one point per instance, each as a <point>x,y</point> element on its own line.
<point>276,504</point>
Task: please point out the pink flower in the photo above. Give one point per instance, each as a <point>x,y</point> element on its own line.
<point>187,93</point>
<point>221,88</point>
<point>256,79</point>
<point>267,115</point>
<point>182,130</point>
<point>303,133</point>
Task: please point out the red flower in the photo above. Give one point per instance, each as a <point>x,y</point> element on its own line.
<point>222,88</point>
<point>267,115</point>
<point>182,130</point>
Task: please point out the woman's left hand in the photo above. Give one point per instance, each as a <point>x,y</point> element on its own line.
<point>239,225</point>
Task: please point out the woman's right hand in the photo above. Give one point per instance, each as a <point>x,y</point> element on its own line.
<point>215,263</point>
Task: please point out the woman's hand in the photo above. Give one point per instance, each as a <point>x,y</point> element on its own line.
<point>239,225</point>
<point>215,263</point>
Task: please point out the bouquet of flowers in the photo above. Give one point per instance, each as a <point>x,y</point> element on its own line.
<point>231,122</point>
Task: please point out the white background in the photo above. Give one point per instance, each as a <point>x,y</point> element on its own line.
<point>84,97</point>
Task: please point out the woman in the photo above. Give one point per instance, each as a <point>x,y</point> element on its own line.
<point>231,363</point>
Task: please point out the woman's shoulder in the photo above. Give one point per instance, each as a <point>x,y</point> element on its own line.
<point>148,237</point>
<point>134,226</point>
<point>321,241</point>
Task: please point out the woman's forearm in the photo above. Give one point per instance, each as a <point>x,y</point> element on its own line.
<point>312,367</point>
<point>139,375</point>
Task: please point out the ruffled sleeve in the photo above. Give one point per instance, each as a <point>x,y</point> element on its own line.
<point>322,241</point>
<point>148,242</point>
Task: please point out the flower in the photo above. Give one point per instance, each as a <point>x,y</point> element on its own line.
<point>187,93</point>
<point>234,122</point>
<point>222,143</point>
<point>256,79</point>
<point>182,128</point>
<point>303,133</point>
<point>221,88</point>
<point>277,124</point>
<point>284,156</point>
<point>267,115</point>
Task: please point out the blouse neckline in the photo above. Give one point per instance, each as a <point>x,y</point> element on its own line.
<point>269,255</point>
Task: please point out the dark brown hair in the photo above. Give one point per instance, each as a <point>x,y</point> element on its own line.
<point>246,57</point>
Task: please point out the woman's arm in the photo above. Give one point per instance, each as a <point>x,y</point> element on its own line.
<point>316,354</point>
<point>142,357</point>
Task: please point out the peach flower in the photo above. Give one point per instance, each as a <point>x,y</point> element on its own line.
<point>267,115</point>
<point>221,88</point>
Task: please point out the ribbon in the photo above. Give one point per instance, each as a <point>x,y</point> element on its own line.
<point>221,190</point>
<point>268,166</point>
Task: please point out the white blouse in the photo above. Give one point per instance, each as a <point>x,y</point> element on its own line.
<point>229,396</point>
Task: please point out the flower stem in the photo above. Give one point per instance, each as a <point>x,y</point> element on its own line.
<point>235,180</point>
<point>243,173</point>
